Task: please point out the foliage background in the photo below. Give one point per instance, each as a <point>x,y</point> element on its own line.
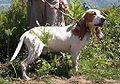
<point>98,60</point>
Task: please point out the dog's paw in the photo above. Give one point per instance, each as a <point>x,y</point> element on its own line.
<point>76,68</point>
<point>26,78</point>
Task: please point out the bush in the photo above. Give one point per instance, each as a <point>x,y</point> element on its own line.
<point>12,25</point>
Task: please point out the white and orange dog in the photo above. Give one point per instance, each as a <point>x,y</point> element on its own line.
<point>62,39</point>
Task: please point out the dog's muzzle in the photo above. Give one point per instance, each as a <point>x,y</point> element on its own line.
<point>101,21</point>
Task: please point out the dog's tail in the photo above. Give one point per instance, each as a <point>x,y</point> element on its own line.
<point>18,47</point>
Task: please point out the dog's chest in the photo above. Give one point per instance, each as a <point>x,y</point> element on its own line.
<point>77,43</point>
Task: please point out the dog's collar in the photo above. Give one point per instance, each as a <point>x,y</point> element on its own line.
<point>78,26</point>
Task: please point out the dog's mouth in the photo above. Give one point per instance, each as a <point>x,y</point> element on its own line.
<point>100,24</point>
<point>98,32</point>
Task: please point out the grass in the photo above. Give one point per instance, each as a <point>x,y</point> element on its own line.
<point>3,81</point>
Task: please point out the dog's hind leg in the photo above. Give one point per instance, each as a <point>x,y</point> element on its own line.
<point>33,54</point>
<point>24,64</point>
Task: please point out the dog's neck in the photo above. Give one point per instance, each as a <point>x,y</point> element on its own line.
<point>80,29</point>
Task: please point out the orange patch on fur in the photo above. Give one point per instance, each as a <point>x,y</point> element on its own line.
<point>89,16</point>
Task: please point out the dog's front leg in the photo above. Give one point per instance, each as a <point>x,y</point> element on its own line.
<point>75,57</point>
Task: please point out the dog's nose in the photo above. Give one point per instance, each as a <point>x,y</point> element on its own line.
<point>103,19</point>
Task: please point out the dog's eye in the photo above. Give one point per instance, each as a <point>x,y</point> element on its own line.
<point>93,13</point>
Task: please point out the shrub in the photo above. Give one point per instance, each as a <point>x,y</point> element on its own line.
<point>12,25</point>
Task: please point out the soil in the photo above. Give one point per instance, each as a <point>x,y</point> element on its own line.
<point>60,80</point>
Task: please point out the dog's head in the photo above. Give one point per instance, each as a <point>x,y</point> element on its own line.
<point>93,20</point>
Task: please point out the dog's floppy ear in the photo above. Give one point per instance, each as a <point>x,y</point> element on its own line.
<point>83,28</point>
<point>84,22</point>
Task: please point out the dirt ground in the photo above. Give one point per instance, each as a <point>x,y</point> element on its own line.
<point>59,80</point>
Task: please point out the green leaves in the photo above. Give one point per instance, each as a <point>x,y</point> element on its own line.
<point>9,32</point>
<point>44,37</point>
<point>75,9</point>
<point>43,67</point>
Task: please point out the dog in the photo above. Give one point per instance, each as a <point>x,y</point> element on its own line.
<point>70,38</point>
